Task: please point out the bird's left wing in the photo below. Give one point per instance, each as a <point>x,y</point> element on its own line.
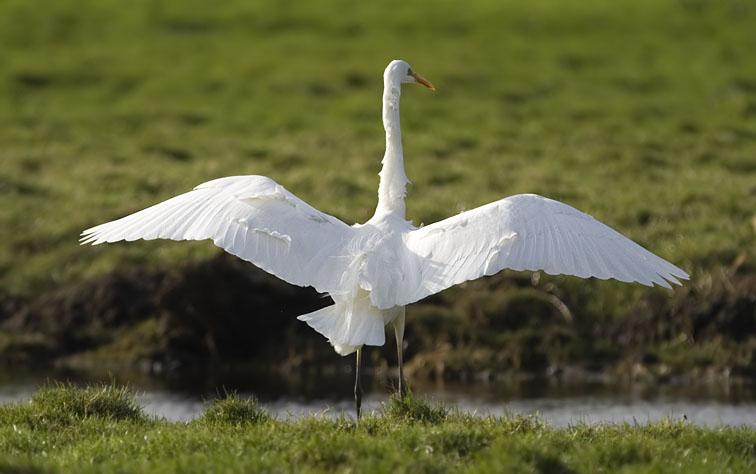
<point>522,232</point>
<point>252,217</point>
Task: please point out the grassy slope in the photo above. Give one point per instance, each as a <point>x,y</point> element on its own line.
<point>642,113</point>
<point>99,429</point>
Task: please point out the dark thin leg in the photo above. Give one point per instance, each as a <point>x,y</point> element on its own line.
<point>402,383</point>
<point>357,386</point>
<point>399,332</point>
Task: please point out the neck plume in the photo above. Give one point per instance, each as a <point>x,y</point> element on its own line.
<point>393,185</point>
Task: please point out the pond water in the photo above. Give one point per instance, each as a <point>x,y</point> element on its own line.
<point>559,402</point>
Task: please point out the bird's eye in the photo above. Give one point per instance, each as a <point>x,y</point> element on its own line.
<point>409,72</point>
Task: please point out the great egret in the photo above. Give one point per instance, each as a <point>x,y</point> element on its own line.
<point>373,270</point>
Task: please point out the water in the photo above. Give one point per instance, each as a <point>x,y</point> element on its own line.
<point>558,402</point>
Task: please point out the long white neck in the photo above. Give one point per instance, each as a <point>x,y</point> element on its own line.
<point>393,186</point>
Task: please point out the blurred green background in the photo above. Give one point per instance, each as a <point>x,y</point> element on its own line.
<point>640,112</point>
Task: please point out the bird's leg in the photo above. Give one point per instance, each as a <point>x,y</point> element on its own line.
<point>399,331</point>
<point>357,386</point>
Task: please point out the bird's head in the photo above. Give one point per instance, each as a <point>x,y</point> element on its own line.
<point>399,71</point>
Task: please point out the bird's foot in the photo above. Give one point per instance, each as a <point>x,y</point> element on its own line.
<point>402,389</point>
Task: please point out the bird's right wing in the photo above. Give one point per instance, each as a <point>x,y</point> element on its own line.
<point>522,232</point>
<point>252,217</point>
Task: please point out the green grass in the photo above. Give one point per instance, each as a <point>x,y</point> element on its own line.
<point>411,409</point>
<point>110,437</point>
<point>65,404</point>
<point>642,113</point>
<point>230,409</point>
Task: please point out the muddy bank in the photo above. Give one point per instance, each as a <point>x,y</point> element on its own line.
<point>215,311</point>
<point>223,311</point>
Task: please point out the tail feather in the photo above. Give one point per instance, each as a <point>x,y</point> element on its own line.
<point>348,326</point>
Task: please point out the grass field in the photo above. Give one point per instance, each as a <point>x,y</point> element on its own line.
<point>101,429</point>
<point>642,113</point>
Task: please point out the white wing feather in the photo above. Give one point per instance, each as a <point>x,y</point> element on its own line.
<point>252,217</point>
<point>522,232</point>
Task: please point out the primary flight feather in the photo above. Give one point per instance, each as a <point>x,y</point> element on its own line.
<point>373,270</point>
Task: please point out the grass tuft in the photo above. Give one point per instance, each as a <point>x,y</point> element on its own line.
<point>66,402</point>
<point>231,409</point>
<point>231,437</point>
<point>414,409</point>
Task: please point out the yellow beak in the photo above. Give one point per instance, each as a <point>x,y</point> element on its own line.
<point>421,80</point>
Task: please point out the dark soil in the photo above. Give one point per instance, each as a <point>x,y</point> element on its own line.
<point>224,311</point>
<point>218,310</point>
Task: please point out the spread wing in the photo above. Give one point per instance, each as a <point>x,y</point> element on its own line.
<point>522,232</point>
<point>252,217</point>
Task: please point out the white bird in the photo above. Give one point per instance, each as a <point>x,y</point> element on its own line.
<point>373,270</point>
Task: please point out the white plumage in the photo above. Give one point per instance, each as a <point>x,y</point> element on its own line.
<point>374,269</point>
<point>251,217</point>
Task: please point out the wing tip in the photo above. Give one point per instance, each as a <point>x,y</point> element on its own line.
<point>87,237</point>
<point>674,278</point>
